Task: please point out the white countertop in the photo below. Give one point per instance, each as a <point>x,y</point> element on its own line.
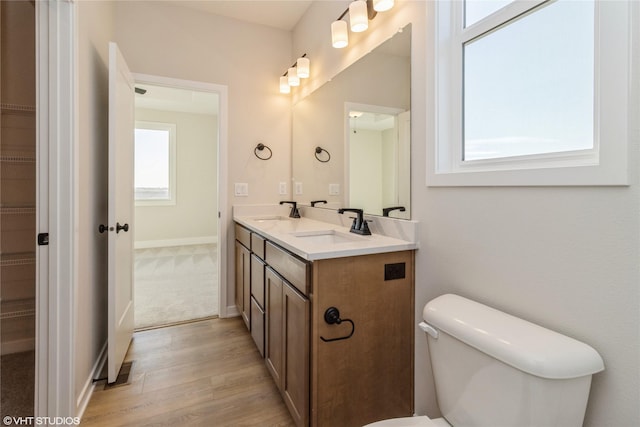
<point>313,240</point>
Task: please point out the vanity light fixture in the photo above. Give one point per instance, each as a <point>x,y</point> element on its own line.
<point>360,13</point>
<point>358,16</point>
<point>382,5</point>
<point>339,34</point>
<point>291,77</point>
<point>303,67</point>
<point>284,85</point>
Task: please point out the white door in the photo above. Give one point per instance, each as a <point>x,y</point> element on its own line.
<point>121,151</point>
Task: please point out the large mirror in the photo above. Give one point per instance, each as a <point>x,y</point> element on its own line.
<point>351,137</point>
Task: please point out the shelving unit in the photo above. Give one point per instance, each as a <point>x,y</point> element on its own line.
<point>17,226</point>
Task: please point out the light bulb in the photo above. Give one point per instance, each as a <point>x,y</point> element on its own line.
<point>284,85</point>
<point>382,5</point>
<point>303,67</point>
<point>339,34</point>
<point>358,16</point>
<point>293,78</point>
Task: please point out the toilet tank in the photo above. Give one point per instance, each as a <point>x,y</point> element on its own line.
<point>494,369</point>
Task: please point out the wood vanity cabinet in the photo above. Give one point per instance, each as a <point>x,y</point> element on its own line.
<point>369,376</point>
<point>243,273</point>
<point>325,380</point>
<point>287,330</point>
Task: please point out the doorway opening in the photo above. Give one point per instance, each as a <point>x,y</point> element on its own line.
<point>176,253</point>
<point>17,208</point>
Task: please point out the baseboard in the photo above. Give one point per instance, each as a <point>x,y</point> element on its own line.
<point>232,311</point>
<point>89,385</point>
<point>203,240</point>
<point>18,346</point>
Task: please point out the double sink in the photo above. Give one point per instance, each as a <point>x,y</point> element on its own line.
<point>312,239</point>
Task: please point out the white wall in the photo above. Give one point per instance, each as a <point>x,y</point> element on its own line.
<point>196,210</point>
<point>95,30</point>
<point>566,258</point>
<point>160,39</point>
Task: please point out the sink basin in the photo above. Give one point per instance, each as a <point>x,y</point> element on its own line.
<point>325,237</point>
<point>271,218</point>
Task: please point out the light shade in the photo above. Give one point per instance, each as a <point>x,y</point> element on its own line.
<point>303,67</point>
<point>339,34</point>
<point>382,5</point>
<point>358,16</point>
<point>293,78</point>
<point>284,85</point>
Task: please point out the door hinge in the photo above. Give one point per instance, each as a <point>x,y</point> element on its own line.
<point>43,239</point>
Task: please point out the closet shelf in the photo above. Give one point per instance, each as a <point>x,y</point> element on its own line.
<point>18,308</point>
<point>23,258</point>
<point>17,210</point>
<point>17,159</point>
<point>18,108</point>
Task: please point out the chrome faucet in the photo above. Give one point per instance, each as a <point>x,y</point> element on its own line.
<point>359,225</point>
<point>294,209</point>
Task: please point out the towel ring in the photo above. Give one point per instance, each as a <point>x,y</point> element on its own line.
<point>319,150</point>
<point>261,147</point>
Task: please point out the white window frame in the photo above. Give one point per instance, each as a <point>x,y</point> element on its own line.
<point>171,128</point>
<point>615,93</point>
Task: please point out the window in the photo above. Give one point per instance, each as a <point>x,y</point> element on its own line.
<point>155,153</point>
<point>521,92</point>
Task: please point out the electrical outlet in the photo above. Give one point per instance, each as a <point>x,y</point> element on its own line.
<point>241,189</point>
<point>283,188</point>
<point>298,188</point>
<point>334,189</point>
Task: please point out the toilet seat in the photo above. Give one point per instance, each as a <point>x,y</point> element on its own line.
<point>422,421</point>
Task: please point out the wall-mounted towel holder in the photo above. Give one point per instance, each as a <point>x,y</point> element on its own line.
<point>319,150</point>
<point>261,147</point>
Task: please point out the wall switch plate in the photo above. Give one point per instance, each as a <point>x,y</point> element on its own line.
<point>334,189</point>
<point>241,189</point>
<point>283,188</point>
<point>298,188</point>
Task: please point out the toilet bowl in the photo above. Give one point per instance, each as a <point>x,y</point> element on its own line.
<point>421,421</point>
<point>494,369</point>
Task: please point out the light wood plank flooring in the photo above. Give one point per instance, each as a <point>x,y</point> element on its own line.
<point>205,373</point>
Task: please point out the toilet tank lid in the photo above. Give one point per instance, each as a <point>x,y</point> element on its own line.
<point>521,344</point>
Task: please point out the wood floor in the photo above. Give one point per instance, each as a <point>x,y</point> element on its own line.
<point>205,373</point>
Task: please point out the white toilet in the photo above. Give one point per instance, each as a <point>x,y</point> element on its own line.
<point>494,369</point>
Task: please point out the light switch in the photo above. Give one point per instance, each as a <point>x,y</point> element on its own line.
<point>283,188</point>
<point>334,189</point>
<point>241,189</point>
<point>298,188</point>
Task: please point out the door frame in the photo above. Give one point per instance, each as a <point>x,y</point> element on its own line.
<point>223,160</point>
<point>56,212</point>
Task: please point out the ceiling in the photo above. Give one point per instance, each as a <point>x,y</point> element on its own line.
<point>174,99</point>
<point>282,14</point>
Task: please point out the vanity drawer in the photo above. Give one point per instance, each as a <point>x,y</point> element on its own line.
<point>243,236</point>
<point>257,244</point>
<point>292,268</point>
<point>257,279</point>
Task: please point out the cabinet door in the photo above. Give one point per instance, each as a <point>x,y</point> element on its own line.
<point>274,326</point>
<point>257,280</point>
<point>242,284</point>
<point>295,385</point>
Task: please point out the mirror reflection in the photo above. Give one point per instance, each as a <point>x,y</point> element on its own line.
<point>361,119</point>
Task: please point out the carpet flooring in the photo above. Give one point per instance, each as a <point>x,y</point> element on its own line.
<point>17,381</point>
<point>175,284</point>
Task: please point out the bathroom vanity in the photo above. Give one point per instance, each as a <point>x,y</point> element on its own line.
<point>332,314</point>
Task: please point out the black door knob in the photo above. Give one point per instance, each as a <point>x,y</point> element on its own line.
<point>121,227</point>
<point>102,228</point>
